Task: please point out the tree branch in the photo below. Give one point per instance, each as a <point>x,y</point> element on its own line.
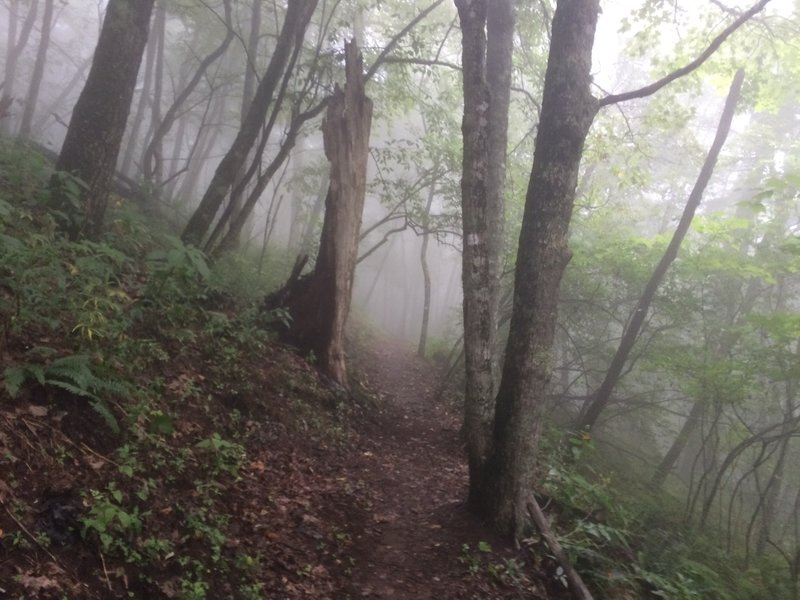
<point>651,89</point>
<point>393,42</point>
<point>577,587</point>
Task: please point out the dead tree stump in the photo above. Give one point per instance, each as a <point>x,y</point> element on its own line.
<point>320,301</point>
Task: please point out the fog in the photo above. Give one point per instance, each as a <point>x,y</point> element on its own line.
<point>707,405</point>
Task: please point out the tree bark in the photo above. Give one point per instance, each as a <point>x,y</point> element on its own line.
<point>38,71</point>
<point>568,109</point>
<point>320,302</point>
<point>487,43</point>
<point>297,18</point>
<point>95,132</point>
<point>600,400</point>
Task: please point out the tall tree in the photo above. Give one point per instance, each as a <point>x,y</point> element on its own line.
<point>38,70</point>
<point>152,161</point>
<point>567,111</point>
<point>487,46</point>
<point>298,15</point>
<point>15,45</point>
<point>141,106</point>
<point>95,131</point>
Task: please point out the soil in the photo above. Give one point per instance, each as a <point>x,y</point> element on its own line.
<point>418,539</point>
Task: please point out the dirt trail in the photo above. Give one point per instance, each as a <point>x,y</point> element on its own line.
<point>410,459</point>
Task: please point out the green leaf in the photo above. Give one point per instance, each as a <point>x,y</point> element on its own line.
<point>14,378</point>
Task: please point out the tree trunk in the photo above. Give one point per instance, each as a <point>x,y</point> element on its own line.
<point>487,43</point>
<point>319,303</point>
<point>141,107</point>
<point>38,71</point>
<point>248,89</point>
<point>152,144</point>
<point>64,93</point>
<point>426,274</point>
<point>298,15</point>
<point>14,49</point>
<point>95,132</point>
<point>152,158</point>
<point>600,400</point>
<point>678,444</point>
<point>205,141</point>
<point>568,109</point>
<point>251,71</point>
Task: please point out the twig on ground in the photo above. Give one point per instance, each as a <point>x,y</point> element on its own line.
<point>577,587</point>
<point>29,534</point>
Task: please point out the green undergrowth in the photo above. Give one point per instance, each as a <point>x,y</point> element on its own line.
<point>631,541</point>
<point>137,384</point>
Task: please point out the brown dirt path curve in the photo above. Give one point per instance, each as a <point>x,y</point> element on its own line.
<point>410,461</point>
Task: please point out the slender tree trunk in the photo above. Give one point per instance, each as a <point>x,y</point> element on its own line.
<point>313,219</point>
<point>95,131</point>
<point>248,91</point>
<point>64,93</point>
<point>152,159</point>
<point>487,42</point>
<point>319,303</point>
<point>251,69</point>
<point>206,140</point>
<point>568,110</point>
<point>426,275</point>
<point>14,48</point>
<point>11,60</point>
<point>297,18</point>
<point>679,443</point>
<point>38,71</point>
<point>600,400</point>
<point>141,107</point>
<point>154,144</point>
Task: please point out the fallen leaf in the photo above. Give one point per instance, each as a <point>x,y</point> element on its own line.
<point>96,463</point>
<point>257,466</point>
<point>39,583</point>
<point>37,411</point>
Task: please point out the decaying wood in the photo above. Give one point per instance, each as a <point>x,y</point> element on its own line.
<point>577,587</point>
<point>320,302</point>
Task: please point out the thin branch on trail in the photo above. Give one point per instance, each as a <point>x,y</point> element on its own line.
<point>651,89</point>
<point>577,587</point>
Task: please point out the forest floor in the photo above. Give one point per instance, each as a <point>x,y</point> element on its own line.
<point>417,540</point>
<point>371,508</point>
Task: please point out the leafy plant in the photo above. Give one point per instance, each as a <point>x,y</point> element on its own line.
<point>115,526</point>
<point>74,374</point>
<point>227,457</point>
